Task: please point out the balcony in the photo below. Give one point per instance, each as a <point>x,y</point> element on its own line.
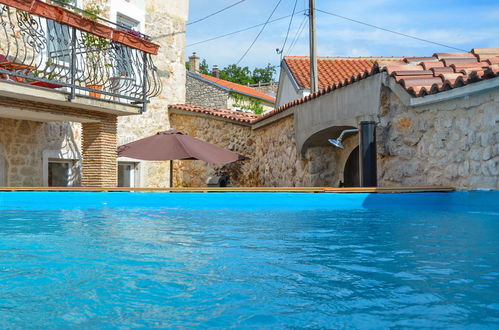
<point>80,59</point>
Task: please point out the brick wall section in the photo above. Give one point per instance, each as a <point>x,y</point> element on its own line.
<point>99,143</point>
<point>204,94</point>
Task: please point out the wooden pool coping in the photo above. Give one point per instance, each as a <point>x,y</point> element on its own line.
<point>241,189</point>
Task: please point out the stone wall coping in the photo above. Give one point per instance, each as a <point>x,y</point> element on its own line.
<point>203,115</point>
<point>269,120</point>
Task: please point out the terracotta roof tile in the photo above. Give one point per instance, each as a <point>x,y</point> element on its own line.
<point>332,70</point>
<point>429,75</point>
<point>452,70</point>
<point>223,113</point>
<point>419,78</point>
<point>238,88</point>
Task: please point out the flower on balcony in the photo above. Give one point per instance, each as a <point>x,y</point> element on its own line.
<point>137,34</point>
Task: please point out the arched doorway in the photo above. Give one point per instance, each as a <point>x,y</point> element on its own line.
<point>351,172</point>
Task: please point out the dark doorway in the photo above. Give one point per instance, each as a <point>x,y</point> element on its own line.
<point>351,171</point>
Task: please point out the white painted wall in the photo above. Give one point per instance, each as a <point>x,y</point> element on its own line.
<point>287,91</point>
<point>135,9</point>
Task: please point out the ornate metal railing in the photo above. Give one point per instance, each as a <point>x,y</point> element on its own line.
<point>47,53</point>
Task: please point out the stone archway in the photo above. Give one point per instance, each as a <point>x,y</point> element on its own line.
<point>351,172</point>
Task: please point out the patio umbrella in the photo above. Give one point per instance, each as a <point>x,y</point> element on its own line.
<point>172,145</point>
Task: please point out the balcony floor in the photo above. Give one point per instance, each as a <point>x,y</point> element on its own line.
<point>20,101</point>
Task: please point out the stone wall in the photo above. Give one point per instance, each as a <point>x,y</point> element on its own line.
<point>22,145</point>
<point>273,162</point>
<point>204,94</point>
<point>453,143</point>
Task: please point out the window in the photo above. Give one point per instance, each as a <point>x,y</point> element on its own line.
<point>58,43</point>
<point>61,168</point>
<point>128,174</point>
<point>59,173</point>
<point>127,22</point>
<point>123,54</point>
<point>59,40</point>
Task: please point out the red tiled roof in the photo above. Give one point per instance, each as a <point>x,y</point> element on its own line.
<point>239,88</point>
<point>223,113</point>
<point>332,70</point>
<point>421,76</point>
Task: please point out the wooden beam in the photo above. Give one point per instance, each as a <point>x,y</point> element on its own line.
<point>241,189</point>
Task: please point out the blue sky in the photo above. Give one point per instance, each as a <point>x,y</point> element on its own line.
<point>464,24</point>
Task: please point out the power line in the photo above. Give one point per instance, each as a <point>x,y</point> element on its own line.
<point>279,51</point>
<point>298,34</point>
<point>242,30</point>
<point>213,14</point>
<point>259,33</point>
<point>391,31</point>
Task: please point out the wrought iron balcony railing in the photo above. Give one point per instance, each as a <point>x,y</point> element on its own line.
<point>83,57</point>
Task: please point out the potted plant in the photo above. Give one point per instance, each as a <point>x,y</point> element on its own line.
<point>95,49</point>
<point>136,40</point>
<point>87,21</point>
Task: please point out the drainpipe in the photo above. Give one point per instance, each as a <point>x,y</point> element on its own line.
<point>367,154</point>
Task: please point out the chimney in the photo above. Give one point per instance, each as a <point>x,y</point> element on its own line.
<point>194,63</point>
<point>215,72</point>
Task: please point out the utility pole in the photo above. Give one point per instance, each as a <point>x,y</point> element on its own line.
<point>314,80</point>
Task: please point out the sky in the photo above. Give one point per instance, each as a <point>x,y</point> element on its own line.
<point>463,24</point>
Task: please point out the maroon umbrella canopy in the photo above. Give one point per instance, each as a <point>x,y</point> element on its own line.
<point>173,145</point>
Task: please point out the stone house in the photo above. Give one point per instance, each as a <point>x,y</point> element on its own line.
<point>294,77</point>
<point>82,87</point>
<point>211,91</point>
<point>436,124</point>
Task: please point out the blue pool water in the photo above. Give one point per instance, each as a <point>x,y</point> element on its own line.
<point>249,260</point>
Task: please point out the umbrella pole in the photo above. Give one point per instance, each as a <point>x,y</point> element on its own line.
<point>171,173</point>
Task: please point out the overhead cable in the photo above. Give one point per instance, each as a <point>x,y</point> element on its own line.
<point>279,51</point>
<point>391,31</point>
<point>259,33</point>
<point>213,14</point>
<point>242,30</point>
<point>298,34</point>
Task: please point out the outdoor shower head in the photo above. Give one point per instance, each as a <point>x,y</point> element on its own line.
<point>337,142</point>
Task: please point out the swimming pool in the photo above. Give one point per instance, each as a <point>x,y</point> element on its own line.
<point>249,260</point>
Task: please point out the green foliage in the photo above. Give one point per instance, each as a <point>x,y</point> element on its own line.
<point>264,75</point>
<point>92,12</point>
<point>203,67</point>
<point>241,75</point>
<point>93,41</point>
<point>246,103</point>
<point>65,2</point>
<point>236,74</point>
